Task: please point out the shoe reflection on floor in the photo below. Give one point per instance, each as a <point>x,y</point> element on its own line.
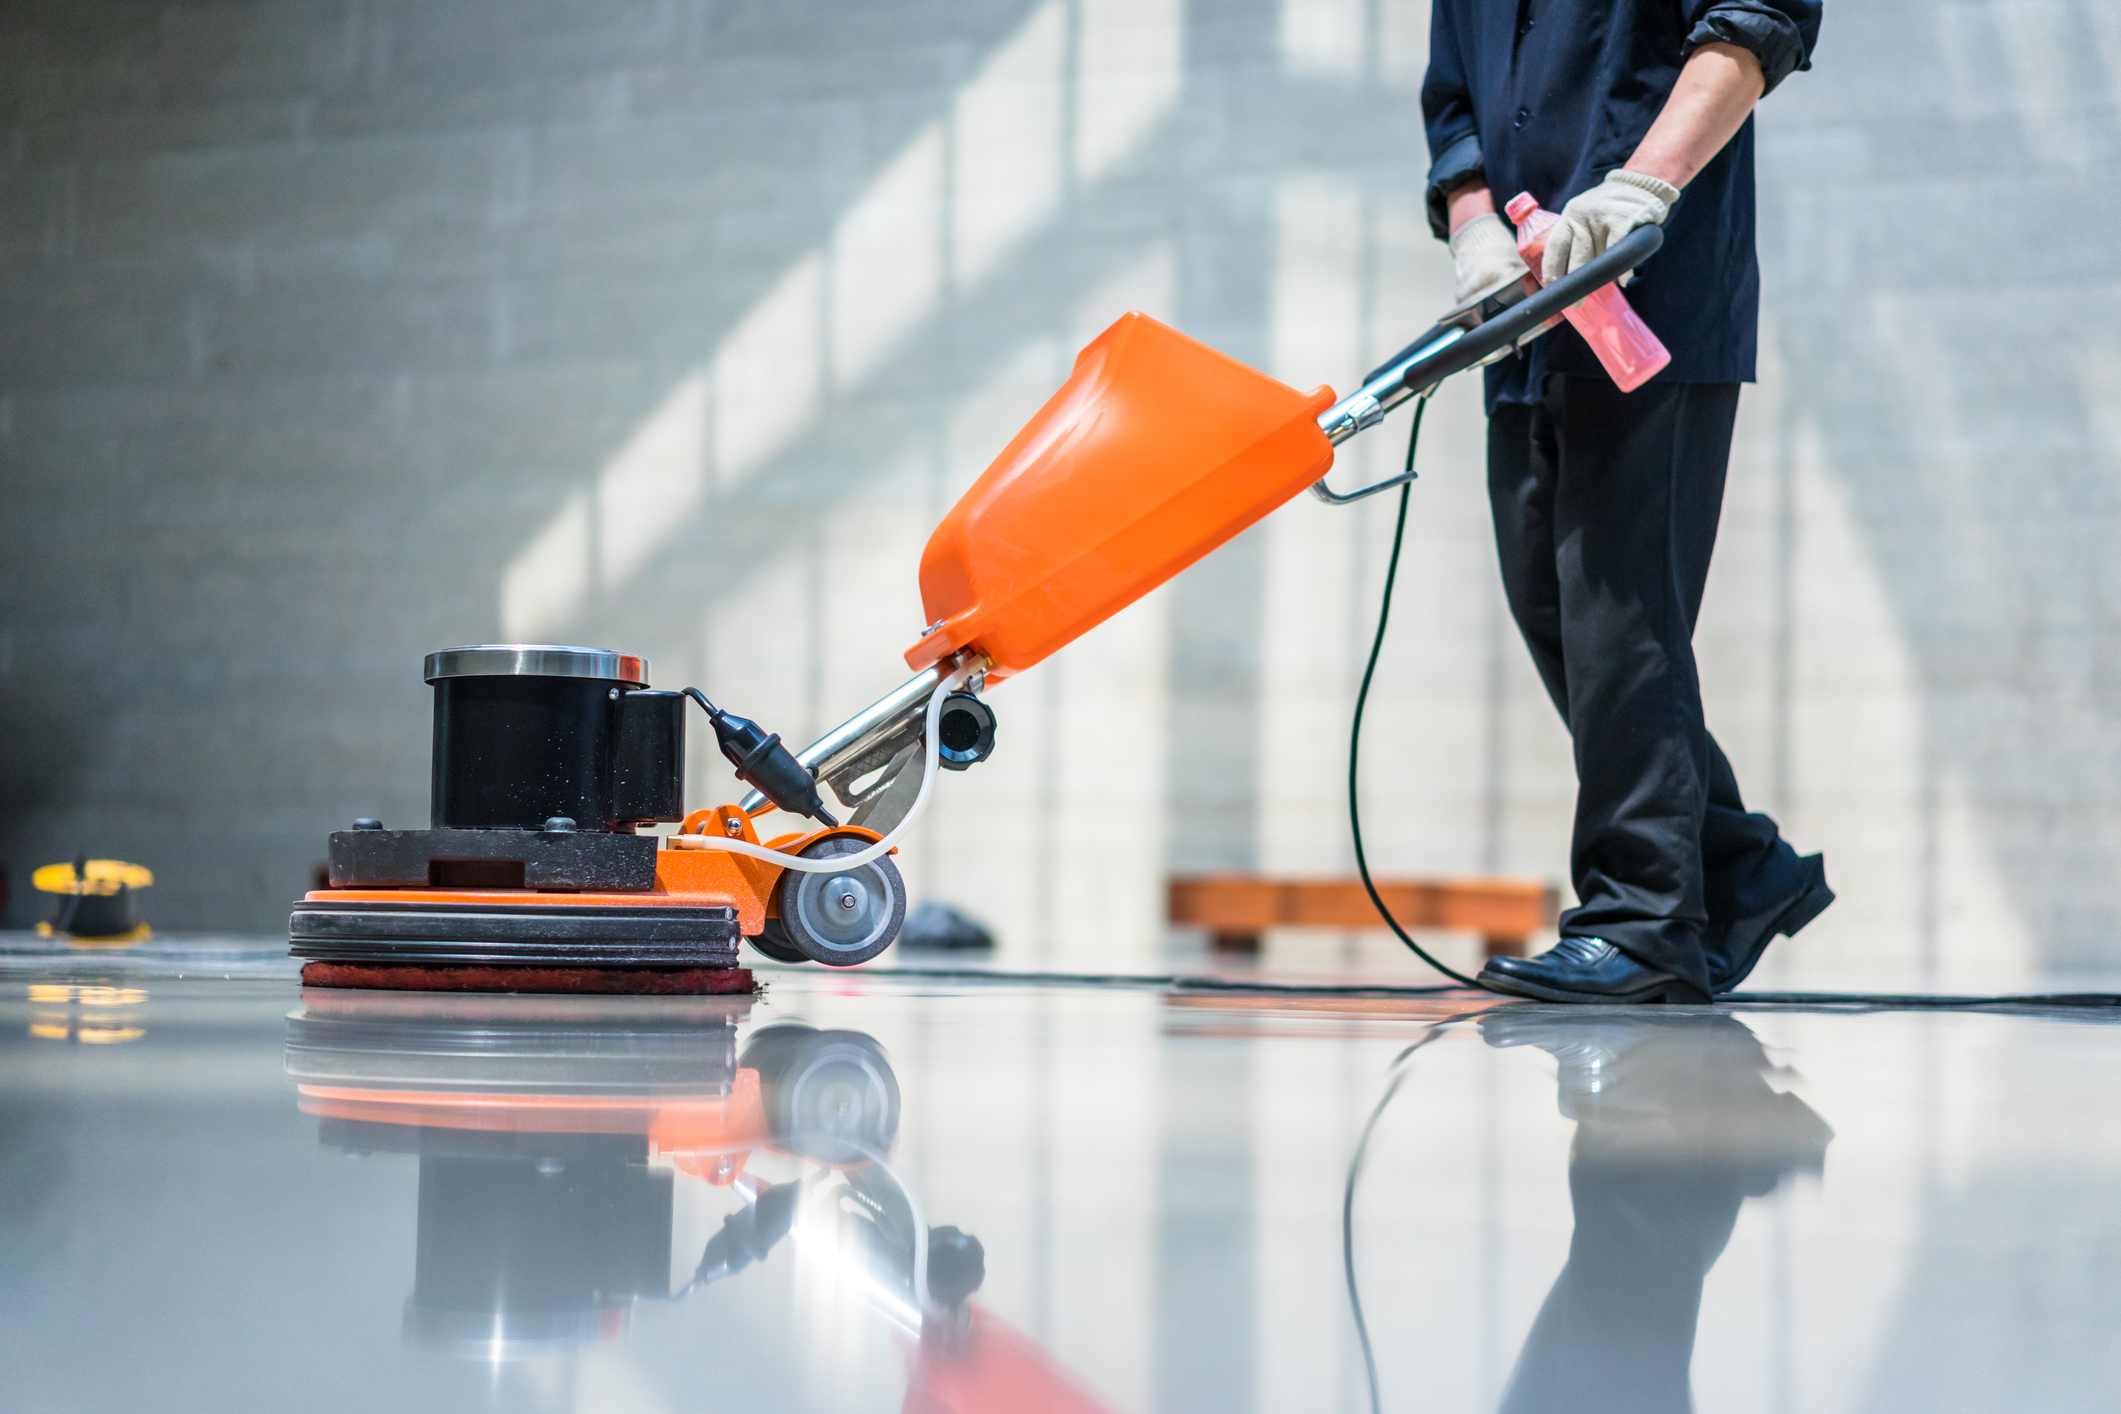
<point>1676,1126</point>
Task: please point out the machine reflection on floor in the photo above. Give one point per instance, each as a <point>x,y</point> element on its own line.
<point>543,1220</point>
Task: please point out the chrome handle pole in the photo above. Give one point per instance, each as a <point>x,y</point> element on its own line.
<point>896,714</point>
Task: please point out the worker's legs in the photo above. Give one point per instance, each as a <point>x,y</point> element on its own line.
<point>1746,866</point>
<point>1523,460</point>
<point>1606,507</point>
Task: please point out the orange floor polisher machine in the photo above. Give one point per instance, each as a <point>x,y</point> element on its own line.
<point>546,759</point>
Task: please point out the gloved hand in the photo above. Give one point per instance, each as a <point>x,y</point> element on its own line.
<point>1484,258</point>
<point>1595,219</point>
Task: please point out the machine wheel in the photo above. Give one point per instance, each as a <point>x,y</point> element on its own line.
<point>841,919</point>
<point>773,940</point>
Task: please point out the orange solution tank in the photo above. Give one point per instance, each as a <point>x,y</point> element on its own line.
<point>1155,451</point>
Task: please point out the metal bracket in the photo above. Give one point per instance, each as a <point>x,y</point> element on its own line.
<point>1336,498</point>
<point>876,734</point>
<point>891,796</point>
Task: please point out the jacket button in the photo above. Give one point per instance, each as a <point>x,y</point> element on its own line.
<point>1519,120</point>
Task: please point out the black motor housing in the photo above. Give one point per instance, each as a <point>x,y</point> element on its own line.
<point>545,759</point>
<point>526,734</point>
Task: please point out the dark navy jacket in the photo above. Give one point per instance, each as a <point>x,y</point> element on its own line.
<point>1547,96</point>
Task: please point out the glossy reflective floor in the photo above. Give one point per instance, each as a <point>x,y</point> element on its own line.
<point>231,1194</point>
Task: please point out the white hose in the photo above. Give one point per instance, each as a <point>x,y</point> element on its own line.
<point>840,863</point>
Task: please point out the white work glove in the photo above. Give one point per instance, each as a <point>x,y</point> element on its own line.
<point>1484,258</point>
<point>1595,219</point>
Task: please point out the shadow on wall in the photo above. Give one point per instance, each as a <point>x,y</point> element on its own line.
<point>1939,336</point>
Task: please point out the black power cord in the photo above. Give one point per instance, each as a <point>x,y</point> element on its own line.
<point>1362,698</point>
<point>762,763</point>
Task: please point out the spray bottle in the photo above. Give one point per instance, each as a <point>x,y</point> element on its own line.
<point>1623,343</point>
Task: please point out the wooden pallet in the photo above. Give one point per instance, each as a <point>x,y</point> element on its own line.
<point>1237,908</point>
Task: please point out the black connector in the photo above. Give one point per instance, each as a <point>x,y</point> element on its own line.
<point>763,763</point>
<point>965,732</point>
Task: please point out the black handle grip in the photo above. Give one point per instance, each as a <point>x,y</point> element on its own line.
<point>1526,316</point>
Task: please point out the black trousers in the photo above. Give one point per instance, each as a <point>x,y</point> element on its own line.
<point>1605,508</point>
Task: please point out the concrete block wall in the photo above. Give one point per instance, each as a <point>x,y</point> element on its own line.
<point>334,334</point>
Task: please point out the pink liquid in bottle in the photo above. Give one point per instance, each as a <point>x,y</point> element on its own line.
<point>1623,343</point>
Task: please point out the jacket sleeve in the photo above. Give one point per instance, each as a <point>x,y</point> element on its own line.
<point>1447,113</point>
<point>1780,33</point>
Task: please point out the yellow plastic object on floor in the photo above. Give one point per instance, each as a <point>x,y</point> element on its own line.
<point>1155,451</point>
<point>97,901</point>
<point>92,876</point>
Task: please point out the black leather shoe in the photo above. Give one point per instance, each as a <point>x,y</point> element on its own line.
<point>1734,950</point>
<point>1585,970</point>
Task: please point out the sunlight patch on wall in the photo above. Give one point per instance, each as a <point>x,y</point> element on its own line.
<point>887,260</point>
<point>1148,283</point>
<point>1113,688</point>
<point>549,579</point>
<point>1386,40</point>
<point>1007,150</point>
<point>1323,37</point>
<point>1356,273</point>
<point>1983,942</point>
<point>769,373</point>
<point>1317,295</point>
<point>1306,604</point>
<point>1402,41</point>
<point>2099,371</point>
<point>1855,739</point>
<point>1131,56</point>
<point>654,482</point>
<point>958,200</point>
